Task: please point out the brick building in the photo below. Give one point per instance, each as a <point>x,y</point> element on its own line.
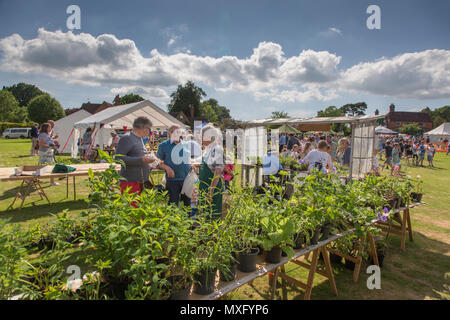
<point>397,119</point>
<point>94,108</point>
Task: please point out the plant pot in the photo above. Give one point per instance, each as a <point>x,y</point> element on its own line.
<point>298,240</point>
<point>113,287</point>
<point>179,293</point>
<point>381,256</point>
<point>274,255</point>
<point>230,274</point>
<point>247,261</point>
<point>402,203</point>
<point>416,197</point>
<point>45,244</point>
<point>349,264</point>
<point>326,229</point>
<point>392,204</point>
<point>204,281</point>
<point>315,236</point>
<point>334,258</point>
<point>260,250</point>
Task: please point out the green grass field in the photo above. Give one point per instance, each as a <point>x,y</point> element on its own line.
<point>422,272</point>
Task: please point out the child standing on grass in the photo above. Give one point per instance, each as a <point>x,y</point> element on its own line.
<point>430,154</point>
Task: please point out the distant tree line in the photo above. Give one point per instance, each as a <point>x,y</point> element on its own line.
<point>24,102</point>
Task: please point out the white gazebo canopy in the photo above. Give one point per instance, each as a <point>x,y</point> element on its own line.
<point>64,129</point>
<point>313,120</point>
<point>443,131</point>
<point>362,139</point>
<point>384,130</point>
<point>118,117</point>
<point>124,115</point>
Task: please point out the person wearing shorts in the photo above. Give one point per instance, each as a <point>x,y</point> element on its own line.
<point>422,154</point>
<point>430,154</point>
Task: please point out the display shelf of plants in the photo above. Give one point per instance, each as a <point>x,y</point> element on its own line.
<point>140,247</point>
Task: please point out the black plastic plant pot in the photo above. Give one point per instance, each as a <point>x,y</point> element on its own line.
<point>260,250</point>
<point>316,235</point>
<point>392,204</point>
<point>326,229</point>
<point>181,294</point>
<point>204,281</point>
<point>230,274</point>
<point>349,264</point>
<point>334,258</point>
<point>416,197</point>
<point>298,240</point>
<point>274,255</point>
<point>380,259</point>
<point>247,261</point>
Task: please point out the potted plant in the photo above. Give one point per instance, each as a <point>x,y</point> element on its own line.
<point>243,218</point>
<point>381,247</point>
<point>417,193</point>
<point>276,236</point>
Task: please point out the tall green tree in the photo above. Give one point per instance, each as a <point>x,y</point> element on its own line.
<point>43,108</point>
<point>184,96</point>
<point>411,129</point>
<point>130,98</point>
<point>24,92</point>
<point>333,111</point>
<point>10,111</point>
<point>280,115</point>
<point>438,115</point>
<point>354,109</point>
<point>214,112</point>
<point>209,113</point>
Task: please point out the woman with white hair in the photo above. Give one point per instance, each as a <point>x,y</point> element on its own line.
<point>210,173</point>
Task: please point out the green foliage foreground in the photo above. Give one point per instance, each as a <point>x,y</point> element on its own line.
<point>140,247</point>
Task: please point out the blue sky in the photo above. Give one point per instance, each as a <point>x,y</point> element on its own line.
<point>255,57</point>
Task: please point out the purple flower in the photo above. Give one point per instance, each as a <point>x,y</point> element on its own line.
<point>334,169</point>
<point>384,218</point>
<point>386,210</point>
<point>300,161</point>
<point>377,238</point>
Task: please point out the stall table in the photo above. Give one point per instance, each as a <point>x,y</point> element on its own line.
<point>29,181</point>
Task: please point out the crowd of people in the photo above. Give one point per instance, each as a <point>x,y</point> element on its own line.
<point>412,149</point>
<point>316,149</point>
<point>214,166</point>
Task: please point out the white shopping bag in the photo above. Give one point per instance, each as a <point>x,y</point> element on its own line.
<point>190,186</point>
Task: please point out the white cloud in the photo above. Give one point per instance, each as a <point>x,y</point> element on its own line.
<point>267,73</point>
<point>335,30</point>
<point>419,75</point>
<point>171,42</point>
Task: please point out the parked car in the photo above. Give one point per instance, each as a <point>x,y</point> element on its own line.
<point>12,133</point>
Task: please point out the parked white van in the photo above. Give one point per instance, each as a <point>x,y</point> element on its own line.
<point>21,133</point>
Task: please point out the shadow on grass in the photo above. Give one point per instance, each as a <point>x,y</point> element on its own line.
<point>11,193</point>
<point>44,210</point>
<point>417,273</point>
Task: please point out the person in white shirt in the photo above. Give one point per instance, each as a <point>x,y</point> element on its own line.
<point>319,159</point>
<point>295,152</point>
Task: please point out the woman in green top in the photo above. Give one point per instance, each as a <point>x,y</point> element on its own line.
<point>210,173</point>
